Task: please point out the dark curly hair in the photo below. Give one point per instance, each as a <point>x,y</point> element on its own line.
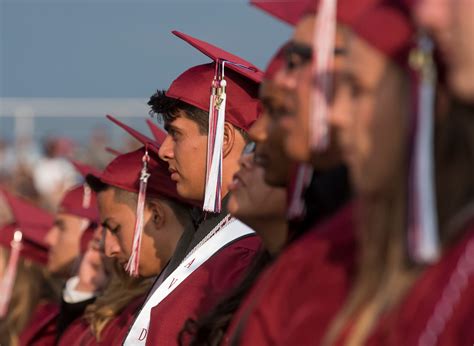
<point>169,108</point>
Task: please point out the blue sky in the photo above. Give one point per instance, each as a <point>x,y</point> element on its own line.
<point>113,48</point>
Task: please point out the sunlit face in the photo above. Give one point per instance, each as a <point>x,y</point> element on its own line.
<point>64,243</point>
<point>251,198</point>
<point>452,25</point>
<point>185,149</point>
<point>118,219</point>
<point>374,138</point>
<point>270,136</point>
<point>297,81</point>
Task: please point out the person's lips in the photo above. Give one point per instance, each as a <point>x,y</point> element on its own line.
<point>237,182</point>
<point>173,174</point>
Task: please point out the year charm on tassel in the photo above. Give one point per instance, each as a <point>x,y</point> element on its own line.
<point>6,285</point>
<point>217,105</point>
<point>134,260</point>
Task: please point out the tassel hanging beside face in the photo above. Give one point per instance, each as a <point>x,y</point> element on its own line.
<point>423,239</point>
<point>297,207</point>
<point>6,285</point>
<point>213,189</point>
<point>323,57</point>
<point>132,267</point>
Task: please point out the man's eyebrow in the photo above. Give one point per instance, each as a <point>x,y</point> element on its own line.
<point>170,127</point>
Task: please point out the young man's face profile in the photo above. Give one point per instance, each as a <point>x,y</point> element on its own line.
<point>184,149</point>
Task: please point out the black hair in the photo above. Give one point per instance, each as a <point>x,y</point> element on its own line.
<point>170,108</point>
<point>181,211</point>
<point>209,329</point>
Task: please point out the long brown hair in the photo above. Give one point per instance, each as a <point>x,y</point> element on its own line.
<point>33,285</point>
<point>385,272</point>
<point>120,291</point>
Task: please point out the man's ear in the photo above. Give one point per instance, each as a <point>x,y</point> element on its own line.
<point>229,138</point>
<point>157,213</point>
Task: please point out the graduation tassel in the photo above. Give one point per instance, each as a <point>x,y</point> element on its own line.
<point>423,239</point>
<point>212,195</point>
<point>8,281</point>
<point>134,260</point>
<point>297,207</point>
<point>323,57</point>
<point>86,197</point>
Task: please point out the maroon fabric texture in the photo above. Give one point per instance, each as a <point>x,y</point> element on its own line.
<point>201,290</point>
<point>41,330</point>
<point>304,289</point>
<point>80,334</point>
<point>33,222</point>
<point>408,321</point>
<point>72,203</point>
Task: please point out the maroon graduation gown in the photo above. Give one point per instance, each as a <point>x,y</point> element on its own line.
<point>293,302</point>
<point>79,333</point>
<point>41,330</point>
<point>439,307</point>
<point>201,290</point>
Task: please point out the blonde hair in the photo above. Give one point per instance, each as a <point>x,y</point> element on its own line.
<point>120,291</point>
<point>33,284</point>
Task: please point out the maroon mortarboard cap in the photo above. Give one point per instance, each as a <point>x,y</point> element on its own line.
<point>388,27</point>
<point>30,249</point>
<point>276,63</point>
<point>86,237</point>
<point>124,172</point>
<point>158,133</point>
<point>80,200</point>
<point>33,222</point>
<point>243,78</point>
<point>347,11</point>
<point>228,90</point>
<point>288,11</point>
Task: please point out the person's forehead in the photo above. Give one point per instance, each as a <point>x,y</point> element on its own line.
<point>304,30</point>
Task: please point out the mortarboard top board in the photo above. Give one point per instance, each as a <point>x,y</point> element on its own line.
<point>289,11</point>
<point>33,222</point>
<point>388,27</point>
<point>158,133</point>
<point>242,77</point>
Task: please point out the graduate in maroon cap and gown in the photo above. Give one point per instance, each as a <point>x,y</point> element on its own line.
<point>309,281</point>
<point>77,217</point>
<point>415,283</point>
<point>137,200</point>
<point>24,286</point>
<point>214,253</point>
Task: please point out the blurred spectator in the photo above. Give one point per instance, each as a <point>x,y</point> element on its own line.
<point>53,174</point>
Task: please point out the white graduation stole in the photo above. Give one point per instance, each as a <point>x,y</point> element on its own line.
<point>233,230</point>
